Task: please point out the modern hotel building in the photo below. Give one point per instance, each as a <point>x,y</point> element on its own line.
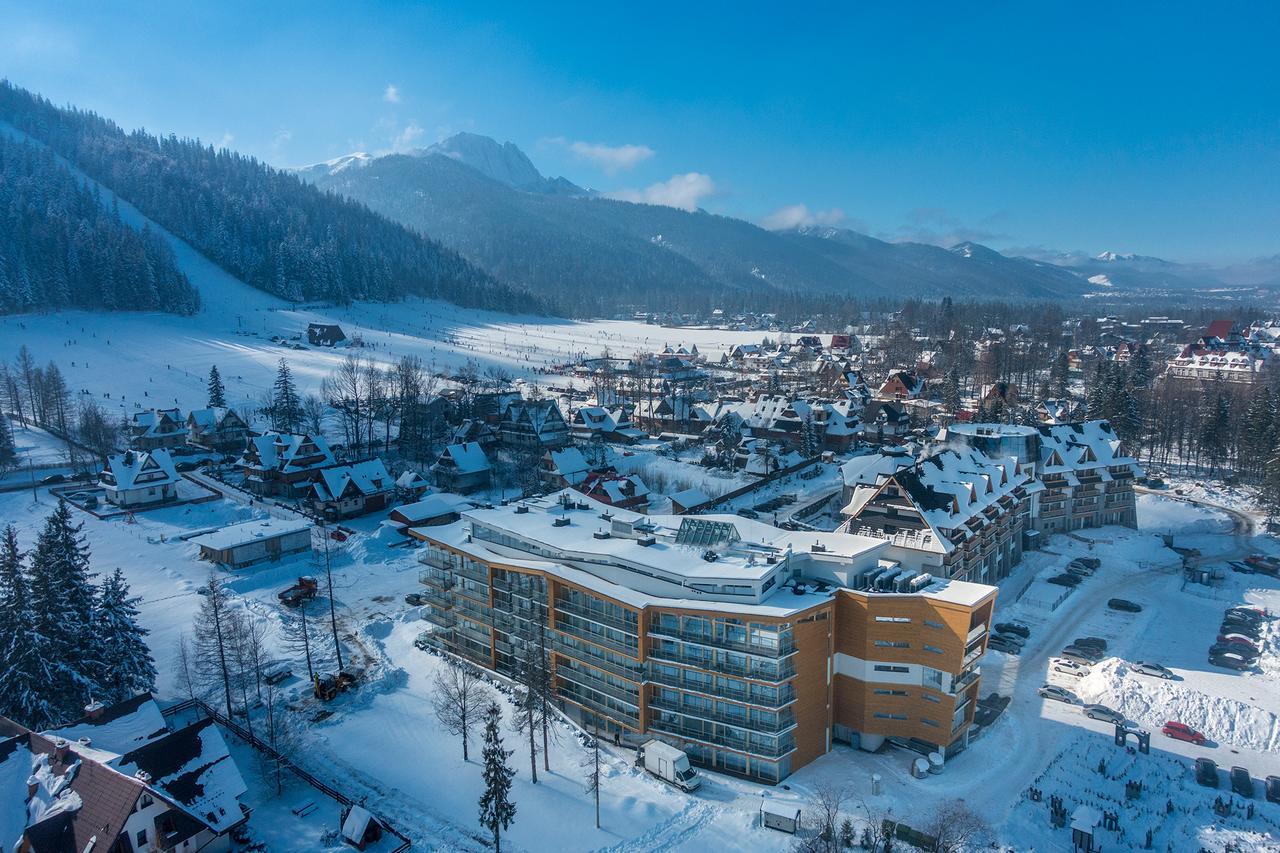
<point>750,647</point>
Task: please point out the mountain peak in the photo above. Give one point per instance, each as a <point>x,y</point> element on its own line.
<point>504,162</point>
<point>970,249</point>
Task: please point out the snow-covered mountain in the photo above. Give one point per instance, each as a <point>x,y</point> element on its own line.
<point>489,202</point>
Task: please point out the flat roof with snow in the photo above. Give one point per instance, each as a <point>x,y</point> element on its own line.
<point>235,535</point>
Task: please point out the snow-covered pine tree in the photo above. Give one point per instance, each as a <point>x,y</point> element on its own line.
<point>62,604</point>
<point>25,674</point>
<point>286,406</point>
<point>217,391</point>
<point>496,809</point>
<point>127,666</point>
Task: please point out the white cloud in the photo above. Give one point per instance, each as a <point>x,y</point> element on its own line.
<point>225,142</point>
<point>392,94</point>
<point>611,158</point>
<point>683,191</point>
<point>798,215</point>
<point>279,141</point>
<point>405,139</point>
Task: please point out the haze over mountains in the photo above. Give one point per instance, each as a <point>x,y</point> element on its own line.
<point>489,202</point>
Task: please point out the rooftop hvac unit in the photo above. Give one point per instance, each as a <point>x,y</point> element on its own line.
<point>884,583</point>
<point>560,522</point>
<point>867,581</point>
<point>920,581</point>
<point>600,534</point>
<point>646,541</point>
<point>903,582</point>
<point>521,509</point>
<point>818,548</point>
<point>606,515</point>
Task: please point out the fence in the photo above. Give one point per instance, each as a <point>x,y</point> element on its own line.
<point>264,747</point>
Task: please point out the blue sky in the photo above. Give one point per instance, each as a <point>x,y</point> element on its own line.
<point>1152,128</point>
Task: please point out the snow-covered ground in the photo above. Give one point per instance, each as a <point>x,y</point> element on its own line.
<point>383,742</point>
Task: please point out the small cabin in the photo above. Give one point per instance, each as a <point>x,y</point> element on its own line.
<point>325,334</point>
<point>359,828</point>
<point>240,545</point>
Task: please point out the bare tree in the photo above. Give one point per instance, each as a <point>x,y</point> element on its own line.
<point>592,766</point>
<point>823,817</point>
<point>314,413</point>
<point>299,634</point>
<point>957,827</point>
<point>213,646</point>
<point>459,698</point>
<point>185,665</point>
<point>96,430</point>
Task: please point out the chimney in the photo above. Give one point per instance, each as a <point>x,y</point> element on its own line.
<point>60,747</point>
<point>93,710</point>
<point>143,776</point>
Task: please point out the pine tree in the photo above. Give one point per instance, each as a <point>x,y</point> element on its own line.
<point>496,809</point>
<point>8,451</point>
<point>286,406</point>
<point>25,671</point>
<point>808,438</point>
<point>62,604</point>
<point>127,666</point>
<point>1060,375</point>
<point>217,391</point>
<point>951,392</point>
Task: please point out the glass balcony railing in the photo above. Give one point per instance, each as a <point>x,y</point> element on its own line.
<point>782,723</point>
<point>784,649</point>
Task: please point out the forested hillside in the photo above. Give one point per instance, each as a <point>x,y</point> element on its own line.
<point>264,226</point>
<point>63,246</point>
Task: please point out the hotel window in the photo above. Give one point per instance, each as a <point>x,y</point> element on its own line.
<point>928,722</point>
<point>934,649</point>
<point>882,692</point>
<point>880,667</point>
<point>880,716</point>
<point>932,624</point>
<point>893,644</point>
<point>892,619</point>
<point>929,698</point>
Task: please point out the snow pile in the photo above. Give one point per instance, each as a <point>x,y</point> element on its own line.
<point>1153,701</point>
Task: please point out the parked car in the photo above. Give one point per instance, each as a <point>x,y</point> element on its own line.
<point>1124,604</point>
<point>1238,640</point>
<point>1081,654</point>
<point>1002,644</point>
<point>1272,788</point>
<point>1240,629</point>
<point>748,513</point>
<point>1065,580</point>
<point>1058,694</point>
<point>1080,567</point>
<point>1207,772</point>
<point>1181,731</point>
<point>1090,643</point>
<point>1146,668</point>
<point>1245,623</point>
<point>53,480</point>
<point>1062,666</point>
<point>1230,660</point>
<point>1240,568</point>
<point>1013,628</point>
<point>84,476</point>
<point>184,466</point>
<point>1233,648</point>
<point>415,599</point>
<point>1246,614</point>
<point>1102,712</point>
<point>1241,781</point>
<point>1010,638</point>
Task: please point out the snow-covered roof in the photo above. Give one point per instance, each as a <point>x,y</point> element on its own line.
<point>369,477</point>
<point>235,535</point>
<point>118,729</point>
<point>136,468</point>
<point>432,506</point>
<point>466,458</point>
<point>356,824</point>
<point>1075,447</point>
<point>193,768</point>
<point>287,452</point>
<point>689,497</point>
